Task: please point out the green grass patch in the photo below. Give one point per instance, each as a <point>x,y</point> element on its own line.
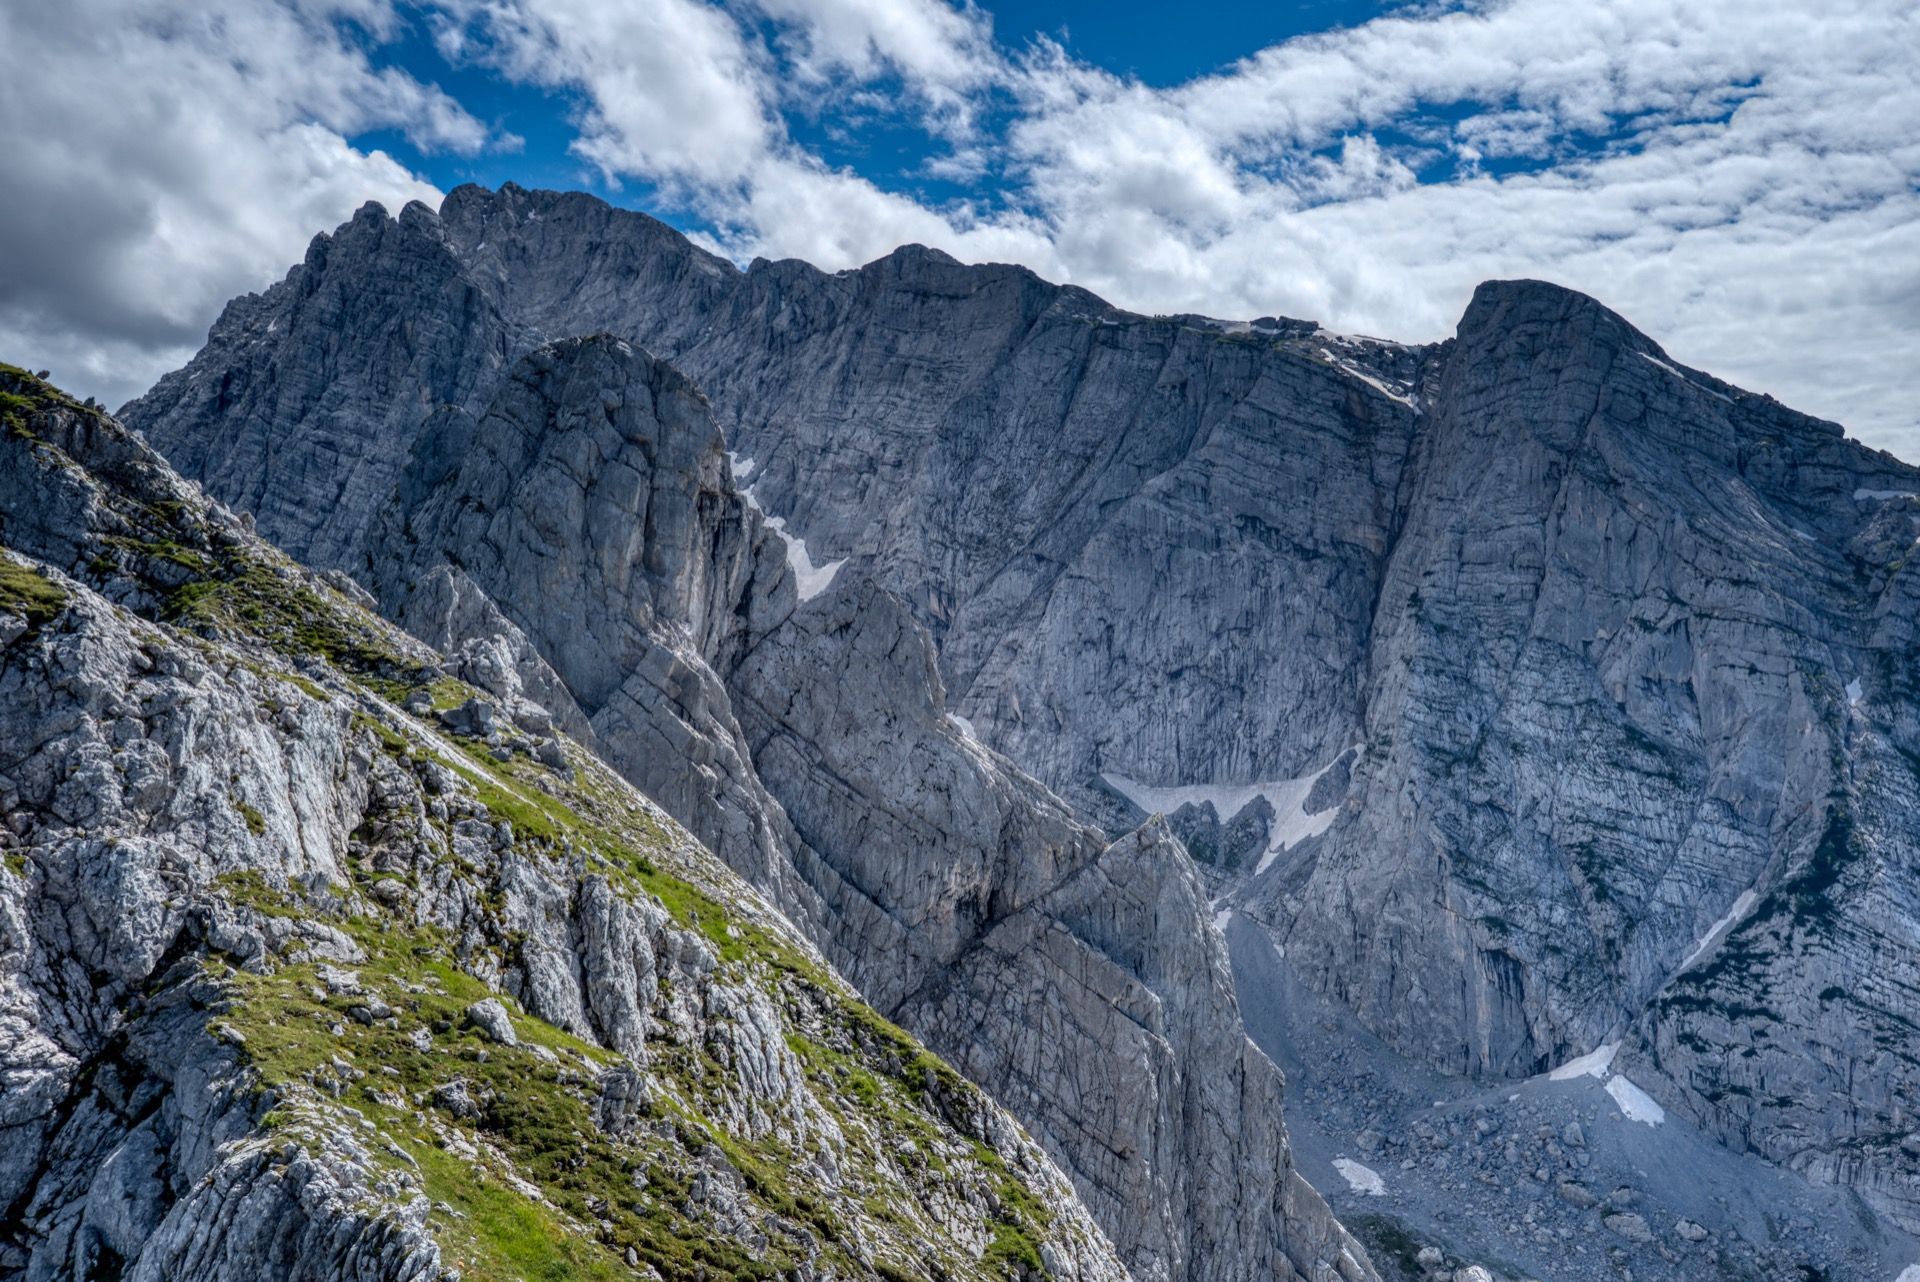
<point>536,1109</point>
<point>275,607</point>
<point>599,1197</point>
<point>253,890</point>
<point>256,822</point>
<point>30,593</point>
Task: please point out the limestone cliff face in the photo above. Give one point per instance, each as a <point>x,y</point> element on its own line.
<point>1035,472</point>
<point>809,743</point>
<point>298,983</point>
<point>1635,739</point>
<point>1537,690</point>
<point>590,505</point>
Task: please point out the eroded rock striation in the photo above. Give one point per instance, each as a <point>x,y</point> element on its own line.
<point>1540,691</point>
<point>809,744</point>
<point>296,982</point>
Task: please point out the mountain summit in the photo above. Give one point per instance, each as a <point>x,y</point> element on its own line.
<point>1513,739</point>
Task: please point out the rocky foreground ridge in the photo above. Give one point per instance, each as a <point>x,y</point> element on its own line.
<point>317,962</point>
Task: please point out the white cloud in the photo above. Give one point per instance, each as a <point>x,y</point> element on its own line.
<point>676,92</point>
<point>1738,178</point>
<point>164,155</point>
<point>1741,179</point>
<point>935,46</point>
<point>684,96</point>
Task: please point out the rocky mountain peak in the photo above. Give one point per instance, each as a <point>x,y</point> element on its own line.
<point>808,743</point>
<point>1519,693</point>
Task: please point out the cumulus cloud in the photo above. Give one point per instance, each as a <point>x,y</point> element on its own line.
<point>675,92</point>
<point>164,155</point>
<point>940,50</point>
<point>688,95</point>
<point>1742,179</point>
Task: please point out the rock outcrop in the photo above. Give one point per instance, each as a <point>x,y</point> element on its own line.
<point>294,983</point>
<point>1635,735</point>
<point>592,504</point>
<point>1572,688</point>
<point>1034,471</point>
<point>589,507</point>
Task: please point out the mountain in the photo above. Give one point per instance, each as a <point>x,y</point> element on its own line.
<point>591,506</point>
<point>315,964</point>
<point>1525,697</point>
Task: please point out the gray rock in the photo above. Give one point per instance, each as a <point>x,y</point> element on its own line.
<point>544,502</point>
<point>136,1142</point>
<point>457,1098</point>
<point>1575,1195</point>
<point>704,654</point>
<point>1612,643</point>
<point>370,1010</point>
<point>1629,1226</point>
<point>491,1018</point>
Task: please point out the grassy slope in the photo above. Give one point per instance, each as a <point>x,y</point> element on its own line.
<point>531,1189</point>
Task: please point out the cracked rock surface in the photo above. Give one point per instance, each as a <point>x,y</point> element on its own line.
<point>1574,691</point>
<point>809,744</point>
<point>296,982</point>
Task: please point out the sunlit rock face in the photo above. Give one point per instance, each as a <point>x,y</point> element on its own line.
<point>1529,690</point>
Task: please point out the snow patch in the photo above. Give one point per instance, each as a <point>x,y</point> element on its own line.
<point>1222,919</point>
<point>964,726</point>
<point>1348,367</point>
<point>1684,379</point>
<point>1854,692</point>
<point>1909,1274</point>
<point>742,467</point>
<point>1860,496</point>
<point>1593,1064</point>
<point>810,579</point>
<point>1741,907</point>
<point>1291,823</point>
<point>1367,1181</point>
<point>1635,1104</point>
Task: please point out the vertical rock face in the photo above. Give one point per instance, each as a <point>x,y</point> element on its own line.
<point>589,504</point>
<point>810,744</point>
<point>1573,690</point>
<point>1089,975</point>
<point>1079,980</point>
<point>1013,458</point>
<point>295,985</point>
<point>1632,676</point>
<point>309,438</point>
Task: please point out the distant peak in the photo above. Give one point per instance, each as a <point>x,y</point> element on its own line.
<point>1504,306</point>
<point>924,253</point>
<point>1532,296</point>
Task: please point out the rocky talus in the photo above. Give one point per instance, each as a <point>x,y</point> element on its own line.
<point>1530,691</point>
<point>592,503</point>
<point>316,964</point>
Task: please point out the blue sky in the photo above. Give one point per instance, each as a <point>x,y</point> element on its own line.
<point>1741,178</point>
<point>1129,38</point>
